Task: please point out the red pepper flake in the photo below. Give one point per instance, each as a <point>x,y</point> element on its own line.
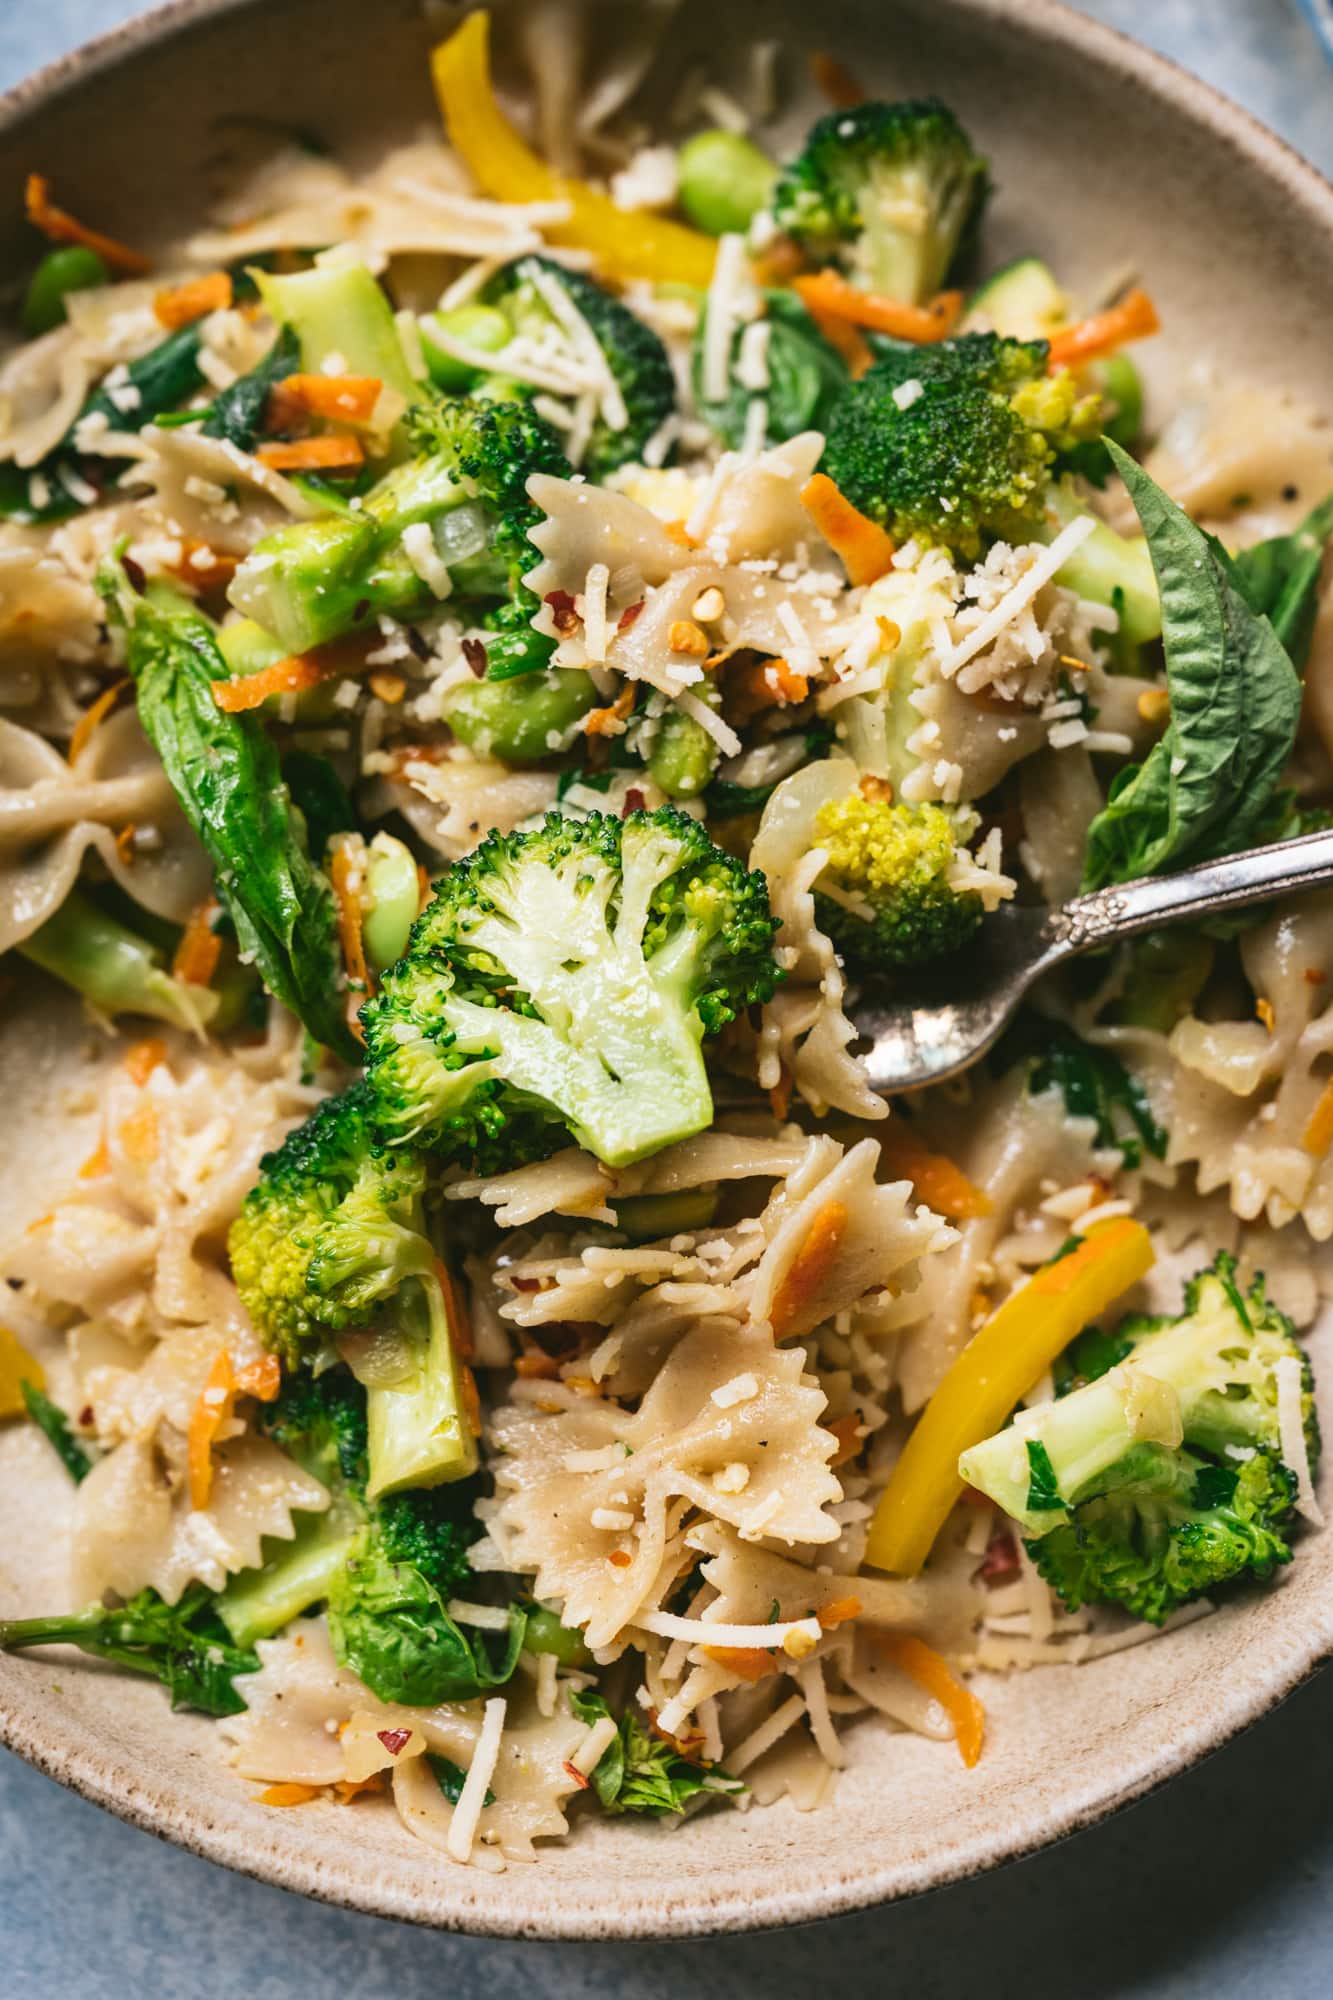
<point>564,613</point>
<point>576,1775</point>
<point>1001,1558</point>
<point>629,614</point>
<point>475,655</point>
<point>394,1740</point>
<point>634,802</point>
<point>521,1284</point>
<point>134,574</point>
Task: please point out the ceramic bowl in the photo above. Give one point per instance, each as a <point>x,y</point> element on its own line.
<point>1105,158</point>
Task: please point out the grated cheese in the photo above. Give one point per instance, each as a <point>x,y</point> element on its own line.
<point>1291,1431</point>
<point>725,308</point>
<point>563,380</point>
<point>740,1389</point>
<point>752,1748</point>
<point>725,737</point>
<point>601,1734</point>
<point>745,1638</point>
<point>594,611</point>
<point>584,341</point>
<point>1042,570</point>
<point>426,560</point>
<point>723,109</point>
<point>752,370</point>
<point>486,1617</point>
<point>467,1813</point>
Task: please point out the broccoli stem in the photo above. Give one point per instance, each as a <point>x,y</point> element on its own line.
<point>114,970</point>
<point>418,1427</point>
<point>293,1576</point>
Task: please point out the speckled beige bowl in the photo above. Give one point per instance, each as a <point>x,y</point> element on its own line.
<point>1105,157</point>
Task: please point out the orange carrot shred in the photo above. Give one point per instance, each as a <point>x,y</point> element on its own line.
<point>97,1163</point>
<point>181,305</point>
<point>865,549</point>
<point>262,1379</point>
<point>455,1311</point>
<point>288,1795</point>
<point>142,1058</point>
<point>471,1400</point>
<point>1133,319</point>
<point>809,1267</point>
<point>839,1611</point>
<point>200,947</point>
<point>835,81</point>
<point>125,843</point>
<point>347,1789</point>
<point>939,1183</point>
<point>344,399</point>
<point>922,1664</point>
<point>779,1097</point>
<point>1318,1134</point>
<point>312,454</point>
<point>95,712</point>
<point>1052,1280</point>
<point>216,1401</point>
<point>748,1663</point>
<point>347,875</point>
<point>608,721</point>
<point>830,293</point>
<point>138,1135</point>
<point>849,340</point>
<point>847,1430</point>
<point>58,226</point>
<point>536,1366</point>
<point>771,683</point>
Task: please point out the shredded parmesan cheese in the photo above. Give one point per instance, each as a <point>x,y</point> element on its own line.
<point>1291,1430</point>
<point>466,1814</point>
<point>1041,572</point>
<point>703,1632</point>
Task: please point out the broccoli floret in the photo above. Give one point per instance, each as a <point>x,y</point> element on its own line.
<point>638,361</point>
<point>566,978</point>
<point>334,1237</point>
<point>891,192</point>
<point>467,484</point>
<point>953,443</point>
<point>1161,1477</point>
<point>885,897</point>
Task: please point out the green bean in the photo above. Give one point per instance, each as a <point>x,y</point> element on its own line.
<point>481,327</point>
<point>646,1217</point>
<point>115,971</point>
<point>520,721</point>
<point>724,181</point>
<point>73,269</point>
<point>683,756</point>
<point>393,898</point>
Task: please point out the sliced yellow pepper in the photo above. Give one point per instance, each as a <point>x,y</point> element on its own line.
<point>16,1367</point>
<point>503,165</point>
<point>997,1367</point>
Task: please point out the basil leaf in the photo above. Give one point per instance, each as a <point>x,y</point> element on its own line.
<point>806,376</point>
<point>1279,579</point>
<point>1095,1084</point>
<point>237,414</point>
<point>640,1773</point>
<point>54,1425</point>
<point>1205,788</point>
<point>224,771</point>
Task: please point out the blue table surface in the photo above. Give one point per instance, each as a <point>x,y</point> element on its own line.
<point>1220,1884</point>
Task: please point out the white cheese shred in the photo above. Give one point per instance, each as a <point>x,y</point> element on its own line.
<point>745,1638</point>
<point>1043,569</point>
<point>1291,1432</point>
<point>467,1813</point>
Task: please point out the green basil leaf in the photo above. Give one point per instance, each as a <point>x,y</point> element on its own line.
<point>1096,1084</point>
<point>1205,788</point>
<point>237,413</point>
<point>1279,579</point>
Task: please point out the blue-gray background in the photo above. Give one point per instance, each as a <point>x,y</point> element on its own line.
<point>1219,1885</point>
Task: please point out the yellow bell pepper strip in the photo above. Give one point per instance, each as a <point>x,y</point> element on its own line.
<point>922,1664</point>
<point>624,245</point>
<point>997,1367</point>
<point>17,1366</point>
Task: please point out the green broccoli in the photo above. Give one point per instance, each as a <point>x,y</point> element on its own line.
<point>566,978</point>
<point>1162,1476</point>
<point>884,897</point>
<point>953,442</point>
<point>806,377</point>
<point>116,970</point>
<point>891,192</point>
<point>333,1237</point>
<point>183,1645</point>
<point>466,486</point>
<point>385,1568</point>
<point>526,292</point>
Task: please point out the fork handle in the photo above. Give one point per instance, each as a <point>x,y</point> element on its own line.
<point>1131,908</point>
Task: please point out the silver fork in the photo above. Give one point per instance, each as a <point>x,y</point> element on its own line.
<point>948,1019</point>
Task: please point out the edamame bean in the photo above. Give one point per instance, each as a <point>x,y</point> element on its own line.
<point>73,269</point>
<point>683,757</point>
<point>646,1217</point>
<point>724,181</point>
<point>1123,386</point>
<point>393,897</point>
<point>477,326</point>
<point>520,721</point>
<point>545,1634</point>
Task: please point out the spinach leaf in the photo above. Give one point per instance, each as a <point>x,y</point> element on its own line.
<point>639,1773</point>
<point>162,378</point>
<point>1205,788</point>
<point>237,414</point>
<point>224,771</point>
<point>183,1645</point>
<point>451,1779</point>
<point>389,1625</point>
<point>1279,579</point>
<point>806,376</point>
<point>51,1420</point>
<point>1095,1084</point>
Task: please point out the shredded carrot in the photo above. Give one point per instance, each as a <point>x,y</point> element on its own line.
<point>97,1163</point>
<point>536,1366</point>
<point>261,1379</point>
<point>202,566</point>
<point>471,1400</point>
<point>849,340</point>
<point>847,1430</point>
<point>771,683</point>
<point>778,264</point>
<point>125,843</point>
<point>455,1311</point>
<point>938,1182</point>
<point>1313,976</point>
<point>835,81</point>
<point>292,675</point>
<point>865,549</point>
<point>829,292</point>
<point>138,1136</point>
<point>181,305</point>
<point>839,1611</point>
<point>610,721</point>
<point>677,532</point>
<point>922,1664</point>
<point>200,947</point>
<point>343,399</point>
<point>1318,1134</point>
<point>347,874</point>
<point>748,1663</point>
<point>217,1399</point>
<point>779,1097</point>
<point>96,712</point>
<point>60,227</point>
<point>347,1789</point>
<point>312,454</point>
<point>809,1267</point>
<point>288,1795</point>
<point>1133,319</point>
<point>142,1058</point>
<point>1264,1010</point>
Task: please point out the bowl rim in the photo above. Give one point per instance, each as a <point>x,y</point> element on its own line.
<point>107,1782</point>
